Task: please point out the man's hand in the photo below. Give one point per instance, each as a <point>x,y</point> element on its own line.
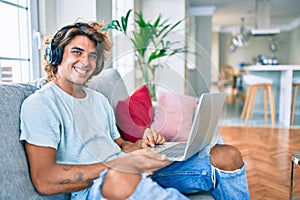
<point>142,160</point>
<point>150,138</point>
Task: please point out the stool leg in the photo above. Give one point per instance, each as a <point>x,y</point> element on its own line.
<point>251,102</point>
<point>265,104</point>
<point>246,103</point>
<point>294,104</point>
<point>250,99</point>
<point>292,180</point>
<point>272,104</point>
<point>254,100</point>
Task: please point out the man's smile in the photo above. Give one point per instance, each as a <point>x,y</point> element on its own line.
<point>80,69</point>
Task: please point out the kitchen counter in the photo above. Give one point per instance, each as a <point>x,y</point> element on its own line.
<point>272,67</point>
<point>286,86</point>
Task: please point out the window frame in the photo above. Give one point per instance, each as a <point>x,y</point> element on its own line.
<point>33,42</point>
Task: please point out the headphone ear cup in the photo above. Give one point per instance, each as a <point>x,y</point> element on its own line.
<point>48,53</point>
<point>53,55</point>
<point>57,54</point>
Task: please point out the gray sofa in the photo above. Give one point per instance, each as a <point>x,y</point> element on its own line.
<point>15,181</point>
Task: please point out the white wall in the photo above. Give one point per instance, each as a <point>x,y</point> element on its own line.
<point>256,46</point>
<point>173,10</point>
<point>200,77</point>
<point>57,13</point>
<point>294,44</point>
<point>68,11</point>
<point>215,58</point>
<point>47,17</point>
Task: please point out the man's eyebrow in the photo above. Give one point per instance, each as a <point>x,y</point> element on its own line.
<point>80,49</point>
<point>77,48</point>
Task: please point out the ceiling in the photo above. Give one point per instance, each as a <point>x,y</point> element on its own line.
<point>284,14</point>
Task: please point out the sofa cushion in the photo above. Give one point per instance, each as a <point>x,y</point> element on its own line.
<point>38,83</point>
<point>15,181</point>
<point>173,116</point>
<point>111,85</point>
<point>134,114</point>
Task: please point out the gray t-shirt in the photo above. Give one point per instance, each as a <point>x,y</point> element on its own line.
<point>81,130</point>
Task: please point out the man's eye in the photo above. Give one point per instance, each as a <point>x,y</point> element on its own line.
<point>93,56</point>
<point>77,52</point>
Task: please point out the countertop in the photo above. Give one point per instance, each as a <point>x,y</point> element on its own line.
<point>271,67</point>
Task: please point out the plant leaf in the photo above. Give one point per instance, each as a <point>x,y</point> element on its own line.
<point>172,27</point>
<point>124,21</point>
<point>157,54</point>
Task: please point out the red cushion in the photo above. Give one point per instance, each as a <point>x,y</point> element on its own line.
<point>134,114</point>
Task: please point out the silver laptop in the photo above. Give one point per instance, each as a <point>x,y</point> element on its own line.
<point>204,124</point>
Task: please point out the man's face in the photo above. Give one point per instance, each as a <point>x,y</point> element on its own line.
<point>79,61</point>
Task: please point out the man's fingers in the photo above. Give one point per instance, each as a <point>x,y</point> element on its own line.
<point>151,138</point>
<point>150,154</point>
<point>139,161</point>
<point>160,140</point>
<point>141,151</point>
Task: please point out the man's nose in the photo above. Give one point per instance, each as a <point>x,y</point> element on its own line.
<point>85,59</point>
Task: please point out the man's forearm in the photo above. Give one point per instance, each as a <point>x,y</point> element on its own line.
<point>48,177</point>
<point>63,178</point>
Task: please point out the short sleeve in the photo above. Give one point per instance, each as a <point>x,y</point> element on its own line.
<point>40,122</point>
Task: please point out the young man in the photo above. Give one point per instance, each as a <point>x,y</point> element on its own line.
<point>72,142</point>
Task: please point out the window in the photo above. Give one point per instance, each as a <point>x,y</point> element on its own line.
<point>123,54</point>
<point>18,52</point>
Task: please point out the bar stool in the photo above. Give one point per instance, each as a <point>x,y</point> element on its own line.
<point>296,84</point>
<point>255,82</point>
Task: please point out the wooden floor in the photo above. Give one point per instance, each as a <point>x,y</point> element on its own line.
<point>267,152</point>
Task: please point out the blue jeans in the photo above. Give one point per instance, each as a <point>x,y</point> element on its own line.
<point>193,175</point>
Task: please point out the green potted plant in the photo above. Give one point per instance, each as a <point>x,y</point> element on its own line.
<point>150,43</point>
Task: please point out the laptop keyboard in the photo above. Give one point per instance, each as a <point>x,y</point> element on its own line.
<point>174,151</point>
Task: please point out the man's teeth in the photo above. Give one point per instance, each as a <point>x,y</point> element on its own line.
<point>81,71</point>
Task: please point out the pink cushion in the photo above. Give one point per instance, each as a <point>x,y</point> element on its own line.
<point>134,114</point>
<point>174,116</point>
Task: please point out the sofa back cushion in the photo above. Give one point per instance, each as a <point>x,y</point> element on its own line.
<point>15,181</point>
<point>173,116</point>
<point>111,85</point>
